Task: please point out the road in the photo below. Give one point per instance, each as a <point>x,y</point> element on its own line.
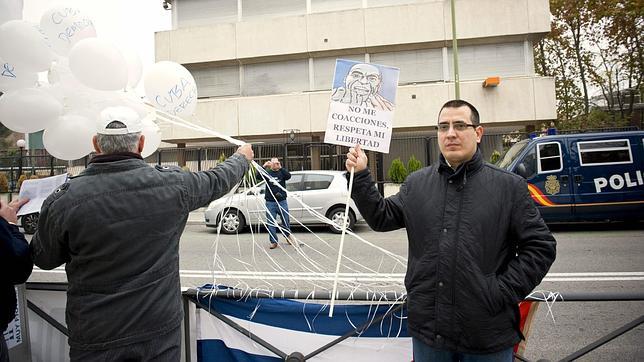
<point>590,258</point>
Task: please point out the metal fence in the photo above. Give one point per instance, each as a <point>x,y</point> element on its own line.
<point>189,297</point>
<point>295,156</point>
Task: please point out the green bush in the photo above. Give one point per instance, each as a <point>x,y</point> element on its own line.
<point>397,172</point>
<point>495,157</point>
<point>4,183</point>
<point>222,157</point>
<point>413,164</point>
<point>21,179</point>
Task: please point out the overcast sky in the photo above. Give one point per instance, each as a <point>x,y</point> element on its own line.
<point>127,22</point>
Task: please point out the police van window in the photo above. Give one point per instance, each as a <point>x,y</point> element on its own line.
<point>549,155</point>
<point>530,163</point>
<point>604,152</point>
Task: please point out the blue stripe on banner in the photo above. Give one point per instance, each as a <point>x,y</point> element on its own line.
<point>290,314</point>
<point>214,350</point>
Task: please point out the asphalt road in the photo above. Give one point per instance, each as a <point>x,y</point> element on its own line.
<point>590,259</point>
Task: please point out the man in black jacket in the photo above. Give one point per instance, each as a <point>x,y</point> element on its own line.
<point>276,203</point>
<point>116,227</point>
<point>477,244</point>
<point>15,266</point>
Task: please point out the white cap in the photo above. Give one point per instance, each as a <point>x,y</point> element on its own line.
<point>126,116</point>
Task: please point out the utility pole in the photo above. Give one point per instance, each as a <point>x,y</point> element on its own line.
<point>457,86</point>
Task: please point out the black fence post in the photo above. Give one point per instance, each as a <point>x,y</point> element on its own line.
<point>380,173</point>
<point>428,151</point>
<point>51,165</point>
<point>199,159</point>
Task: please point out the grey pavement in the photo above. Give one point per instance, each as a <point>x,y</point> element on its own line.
<point>197,217</point>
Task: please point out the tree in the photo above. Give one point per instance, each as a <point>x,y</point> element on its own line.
<point>594,44</point>
<point>413,164</point>
<point>397,172</point>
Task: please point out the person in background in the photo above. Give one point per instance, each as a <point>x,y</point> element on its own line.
<point>276,203</point>
<point>477,244</point>
<point>116,226</point>
<point>15,266</point>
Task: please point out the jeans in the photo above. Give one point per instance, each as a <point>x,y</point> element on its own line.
<point>273,209</point>
<point>425,353</point>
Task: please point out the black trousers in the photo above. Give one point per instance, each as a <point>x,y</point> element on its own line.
<point>163,348</point>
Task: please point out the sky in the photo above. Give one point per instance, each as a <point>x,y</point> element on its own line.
<point>131,23</point>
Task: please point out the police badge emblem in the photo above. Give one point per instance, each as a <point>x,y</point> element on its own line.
<point>552,185</point>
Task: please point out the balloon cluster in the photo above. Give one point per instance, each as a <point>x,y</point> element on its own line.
<point>84,75</point>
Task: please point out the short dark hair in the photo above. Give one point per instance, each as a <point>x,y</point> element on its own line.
<point>458,103</point>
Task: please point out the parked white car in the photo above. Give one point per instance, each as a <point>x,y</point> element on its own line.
<point>323,191</point>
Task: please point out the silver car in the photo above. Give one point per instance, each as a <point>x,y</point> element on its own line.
<point>323,191</point>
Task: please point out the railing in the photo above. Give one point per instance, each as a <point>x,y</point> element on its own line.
<point>190,295</point>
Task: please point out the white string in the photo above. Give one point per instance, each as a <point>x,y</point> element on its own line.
<point>547,297</point>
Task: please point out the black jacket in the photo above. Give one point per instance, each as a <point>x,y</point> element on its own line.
<point>273,192</point>
<point>477,246</point>
<point>15,268</point>
<point>117,227</point>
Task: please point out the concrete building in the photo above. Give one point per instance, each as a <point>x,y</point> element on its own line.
<point>265,67</point>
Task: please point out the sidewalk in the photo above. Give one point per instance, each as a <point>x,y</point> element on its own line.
<point>196,217</point>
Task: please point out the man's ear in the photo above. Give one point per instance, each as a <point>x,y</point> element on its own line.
<point>97,148</point>
<point>141,143</point>
<point>479,134</point>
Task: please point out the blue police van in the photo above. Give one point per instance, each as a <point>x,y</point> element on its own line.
<point>582,177</point>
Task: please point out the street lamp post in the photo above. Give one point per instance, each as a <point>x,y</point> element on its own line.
<point>21,145</point>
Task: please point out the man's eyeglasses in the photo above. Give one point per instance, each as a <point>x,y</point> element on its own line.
<point>458,126</point>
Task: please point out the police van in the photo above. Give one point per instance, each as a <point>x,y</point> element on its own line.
<point>582,177</point>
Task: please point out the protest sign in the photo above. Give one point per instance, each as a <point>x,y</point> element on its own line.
<point>362,105</point>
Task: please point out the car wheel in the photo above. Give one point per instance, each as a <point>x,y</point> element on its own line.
<point>29,222</point>
<point>337,216</point>
<point>232,221</point>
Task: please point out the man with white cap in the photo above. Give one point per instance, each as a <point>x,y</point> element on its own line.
<point>117,226</point>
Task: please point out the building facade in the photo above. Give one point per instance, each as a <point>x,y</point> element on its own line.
<point>264,68</point>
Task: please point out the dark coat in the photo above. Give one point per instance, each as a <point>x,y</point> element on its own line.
<point>273,192</point>
<point>477,246</point>
<point>15,268</point>
<point>117,227</point>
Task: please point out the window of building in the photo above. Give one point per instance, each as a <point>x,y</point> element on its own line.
<point>375,3</point>
<point>217,81</point>
<point>604,152</point>
<point>482,61</point>
<point>320,6</point>
<point>415,65</point>
<point>317,182</point>
<point>549,155</point>
<point>204,12</point>
<point>254,8</point>
<point>276,77</point>
<point>324,69</point>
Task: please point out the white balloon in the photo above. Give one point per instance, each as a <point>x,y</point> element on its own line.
<point>10,10</point>
<point>134,66</point>
<point>28,110</point>
<point>25,46</point>
<point>152,134</point>
<point>70,137</point>
<point>13,79</point>
<point>170,87</point>
<point>66,26</point>
<point>98,64</point>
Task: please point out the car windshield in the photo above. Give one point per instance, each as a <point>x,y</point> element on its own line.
<point>511,154</point>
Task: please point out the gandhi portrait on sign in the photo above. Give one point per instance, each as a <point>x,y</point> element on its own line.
<point>361,86</point>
